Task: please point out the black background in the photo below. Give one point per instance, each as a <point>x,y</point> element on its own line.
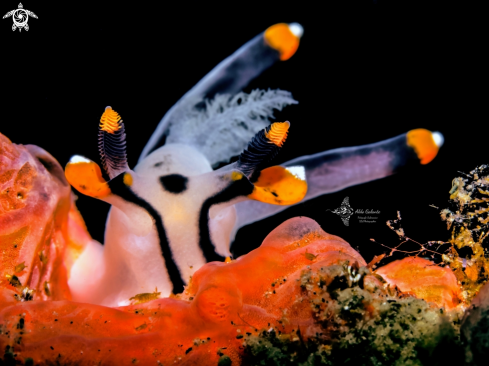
<point>364,72</point>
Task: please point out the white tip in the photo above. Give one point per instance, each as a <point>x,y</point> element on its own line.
<point>298,171</point>
<point>108,107</point>
<point>296,29</point>
<point>79,159</point>
<point>438,138</point>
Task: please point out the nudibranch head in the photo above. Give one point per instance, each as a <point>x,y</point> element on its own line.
<point>173,213</point>
<point>284,38</point>
<point>425,143</point>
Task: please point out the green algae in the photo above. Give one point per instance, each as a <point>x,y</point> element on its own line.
<point>359,325</point>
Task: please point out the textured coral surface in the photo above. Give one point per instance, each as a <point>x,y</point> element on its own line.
<point>41,232</point>
<point>41,235</point>
<point>425,280</point>
<point>475,328</point>
<point>222,303</point>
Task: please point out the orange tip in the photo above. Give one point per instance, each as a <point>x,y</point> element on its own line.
<point>280,186</point>
<point>425,143</point>
<point>109,122</point>
<point>127,179</point>
<point>284,38</point>
<point>278,133</point>
<point>86,177</point>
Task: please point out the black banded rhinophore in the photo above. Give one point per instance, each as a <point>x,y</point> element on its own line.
<point>173,212</point>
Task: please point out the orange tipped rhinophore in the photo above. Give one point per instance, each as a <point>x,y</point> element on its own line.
<point>425,143</point>
<point>112,143</point>
<point>278,133</point>
<point>110,121</point>
<point>284,38</point>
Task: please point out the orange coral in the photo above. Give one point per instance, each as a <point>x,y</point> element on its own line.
<point>223,301</point>
<point>42,238</point>
<point>38,225</point>
<point>425,280</point>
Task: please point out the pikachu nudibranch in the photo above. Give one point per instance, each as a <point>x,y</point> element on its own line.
<point>173,212</point>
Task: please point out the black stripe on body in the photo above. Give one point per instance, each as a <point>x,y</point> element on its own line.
<point>237,188</point>
<point>118,188</point>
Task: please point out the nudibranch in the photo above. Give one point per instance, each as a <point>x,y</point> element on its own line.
<point>173,212</point>
<point>168,219</point>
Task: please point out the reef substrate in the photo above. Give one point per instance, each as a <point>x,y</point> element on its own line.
<point>304,296</point>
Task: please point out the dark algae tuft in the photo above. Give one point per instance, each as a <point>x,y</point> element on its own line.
<point>468,217</point>
<point>358,326</point>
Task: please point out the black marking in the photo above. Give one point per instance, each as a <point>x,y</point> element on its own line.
<point>118,187</point>
<point>112,148</point>
<point>257,155</point>
<point>174,183</point>
<point>237,188</point>
<point>158,164</point>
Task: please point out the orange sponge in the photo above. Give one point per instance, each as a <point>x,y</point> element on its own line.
<point>42,234</point>
<point>425,280</point>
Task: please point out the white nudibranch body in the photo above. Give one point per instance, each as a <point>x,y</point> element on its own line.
<point>173,212</point>
<point>132,258</point>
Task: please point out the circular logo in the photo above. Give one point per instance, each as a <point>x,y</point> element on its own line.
<point>20,17</point>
